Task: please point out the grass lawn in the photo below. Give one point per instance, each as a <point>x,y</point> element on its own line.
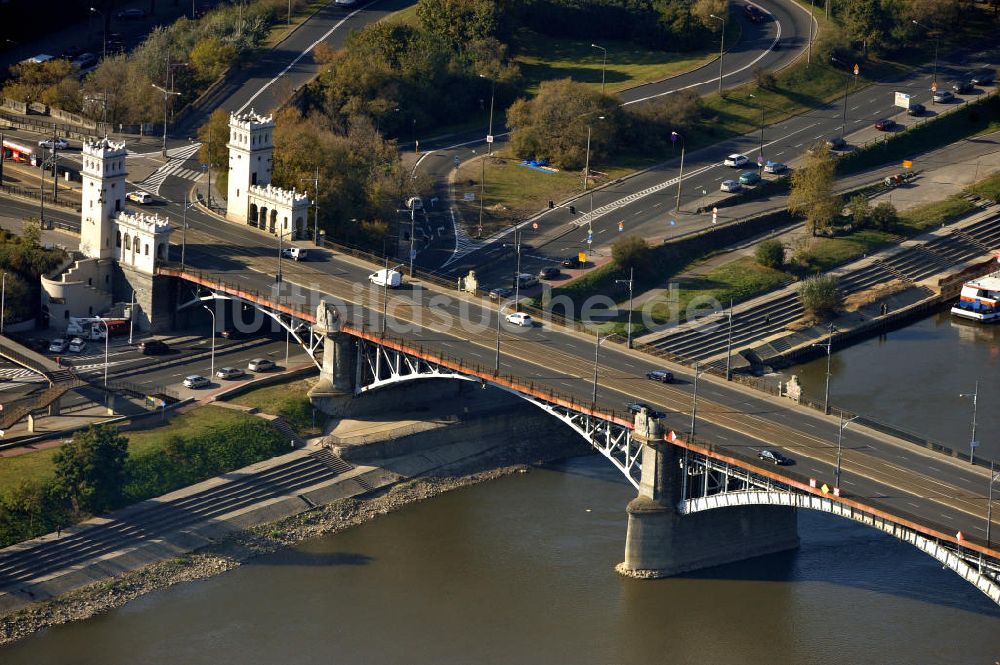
<point>933,214</point>
<point>989,187</point>
<point>545,58</point>
<point>38,465</point>
<point>825,253</point>
<point>288,400</point>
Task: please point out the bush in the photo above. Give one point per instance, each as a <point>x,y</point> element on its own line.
<point>884,216</point>
<point>820,295</point>
<point>770,254</point>
<point>632,252</point>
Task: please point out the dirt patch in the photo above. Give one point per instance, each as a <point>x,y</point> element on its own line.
<point>856,301</point>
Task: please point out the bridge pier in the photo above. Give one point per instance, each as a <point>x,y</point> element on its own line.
<point>336,376</point>
<point>661,541</point>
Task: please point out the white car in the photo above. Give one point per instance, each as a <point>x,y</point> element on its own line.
<point>736,161</point>
<point>731,186</point>
<point>140,197</point>
<point>196,381</point>
<point>59,144</point>
<point>230,373</point>
<point>345,3</point>
<point>77,345</point>
<point>260,365</point>
<point>520,319</point>
<point>57,346</point>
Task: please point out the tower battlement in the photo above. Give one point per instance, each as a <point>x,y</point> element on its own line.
<point>104,149</point>
<point>250,121</point>
<point>291,198</point>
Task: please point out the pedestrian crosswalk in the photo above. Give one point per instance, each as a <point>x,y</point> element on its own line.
<point>176,158</point>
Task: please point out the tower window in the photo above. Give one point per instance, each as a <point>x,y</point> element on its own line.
<point>118,239</point>
<point>147,249</point>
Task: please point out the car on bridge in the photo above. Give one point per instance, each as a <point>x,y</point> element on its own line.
<point>131,13</point>
<point>520,319</point>
<point>963,87</point>
<point>836,143</point>
<point>500,293</point>
<point>295,253</point>
<point>230,373</point>
<point>196,381</point>
<point>983,77</point>
<point>140,197</point>
<point>261,365</point>
<point>774,457</point>
<point>661,375</point>
<point>572,262</point>
<point>736,160</point>
<point>526,280</point>
<point>636,407</point>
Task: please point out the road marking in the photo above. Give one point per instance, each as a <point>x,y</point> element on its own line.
<point>910,503</point>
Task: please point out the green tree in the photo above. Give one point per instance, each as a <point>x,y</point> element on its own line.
<point>770,253</point>
<point>630,252</point>
<point>811,192</point>
<point>30,80</point>
<point>884,216</point>
<point>31,232</point>
<point>820,295</point>
<point>860,209</point>
<point>210,57</point>
<point>214,135</point>
<point>459,22</point>
<point>865,22</point>
<point>90,469</point>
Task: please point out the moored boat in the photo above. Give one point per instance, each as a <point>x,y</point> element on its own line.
<point>980,299</point>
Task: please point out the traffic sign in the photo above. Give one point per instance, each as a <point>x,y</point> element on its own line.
<point>857,70</point>
<point>590,236</point>
<point>489,138</point>
<point>413,253</point>
<point>621,226</point>
<point>760,160</point>
<point>457,161</point>
<point>204,166</point>
<point>960,536</point>
<point>934,86</point>
<point>534,225</point>
<point>907,164</point>
<point>715,215</point>
<point>673,222</point>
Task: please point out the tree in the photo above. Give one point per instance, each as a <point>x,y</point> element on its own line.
<point>770,253</point>
<point>90,469</point>
<point>884,216</point>
<point>865,22</point>
<point>214,135</point>
<point>812,190</point>
<point>31,232</point>
<point>820,295</point>
<point>210,57</point>
<point>632,252</point>
<point>860,209</point>
<point>30,80</point>
<point>459,22</point>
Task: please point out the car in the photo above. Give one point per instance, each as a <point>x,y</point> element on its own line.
<point>230,373</point>
<point>295,253</point>
<point>963,87</point>
<point>58,346</point>
<point>942,96</point>
<point>140,197</point>
<point>836,142</point>
<point>885,124</point>
<point>774,167</point>
<point>730,186</point>
<point>637,406</point>
<point>520,319</point>
<point>84,61</point>
<point>77,345</point>
<point>916,109</point>
<point>196,381</point>
<point>57,143</point>
<point>261,365</point>
<point>345,3</point>
<point>661,375</point>
<point>39,344</point>
<point>549,273</point>
<point>736,160</point>
<point>131,13</point>
<point>773,456</point>
<point>524,280</point>
<point>153,347</point>
<point>749,178</point>
<point>983,77</point>
<point>572,262</point>
<point>386,278</point>
<point>501,293</point>
<point>230,333</point>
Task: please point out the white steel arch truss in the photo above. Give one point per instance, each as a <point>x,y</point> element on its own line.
<point>380,366</point>
<point>711,484</point>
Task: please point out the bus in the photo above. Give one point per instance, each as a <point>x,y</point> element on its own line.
<point>19,152</point>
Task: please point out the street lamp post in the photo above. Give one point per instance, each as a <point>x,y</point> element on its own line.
<point>107,341</point>
<point>694,402</point>
<point>104,21</point>
<point>166,96</point>
<point>3,299</point>
<point>847,90</point>
<point>482,194</point>
<point>413,227</point>
<point>840,441</point>
<point>489,131</point>
<point>598,340</point>
<point>131,318</point>
<point>496,369</point>
<point>828,344</point>
<point>604,64</point>
<point>729,344</point>
<point>629,281</point>
<point>937,39</point>
<point>975,405</point>
<point>281,234</point>
<point>760,153</point>
<point>674,137</point>
<point>517,273</point>
<point>212,366</point>
<point>385,295</point>
<point>184,228</point>
<point>989,504</point>
<point>722,47</point>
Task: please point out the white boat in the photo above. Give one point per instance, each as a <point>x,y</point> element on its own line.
<point>980,299</point>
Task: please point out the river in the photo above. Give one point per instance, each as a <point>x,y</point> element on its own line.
<point>521,570</point>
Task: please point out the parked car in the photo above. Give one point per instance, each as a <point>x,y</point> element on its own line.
<point>773,456</point>
<point>661,375</point>
<point>942,96</point>
<point>916,109</point>
<point>501,293</point>
<point>520,319</point>
<point>77,345</point>
<point>736,160</point>
<point>524,280</point>
<point>39,344</point>
<point>774,167</point>
<point>58,346</point>
<point>140,197</point>
<point>58,143</point>
<point>572,262</point>
<point>549,273</point>
<point>885,124</point>
<point>730,186</point>
<point>836,143</point>
<point>963,87</point>
<point>749,178</point>
<point>131,13</point>
<point>983,77</point>
<point>196,381</point>
<point>230,373</point>
<point>230,333</point>
<point>261,365</point>
<point>153,347</point>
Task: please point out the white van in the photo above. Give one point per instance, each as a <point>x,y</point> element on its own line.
<point>295,253</point>
<point>390,278</point>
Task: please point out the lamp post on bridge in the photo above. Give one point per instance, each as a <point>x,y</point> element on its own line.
<point>629,281</point>
<point>674,137</point>
<point>729,344</point>
<point>598,340</point>
<point>994,477</point>
<point>212,370</point>
<point>973,444</point>
<point>828,345</point>
<point>694,402</point>
<point>840,439</point>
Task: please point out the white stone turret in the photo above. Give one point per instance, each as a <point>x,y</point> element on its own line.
<point>103,195</point>
<point>250,152</point>
<point>141,240</point>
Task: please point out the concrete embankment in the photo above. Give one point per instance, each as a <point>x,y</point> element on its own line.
<point>458,435</point>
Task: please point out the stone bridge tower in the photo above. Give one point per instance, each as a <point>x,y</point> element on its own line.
<point>251,150</point>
